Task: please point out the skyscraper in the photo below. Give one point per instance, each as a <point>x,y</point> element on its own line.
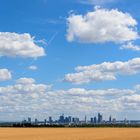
<point>110,119</point>
<point>70,119</point>
<point>50,120</point>
<point>85,119</point>
<point>29,120</point>
<point>100,118</point>
<point>91,120</point>
<point>61,119</point>
<point>95,120</point>
<point>36,121</point>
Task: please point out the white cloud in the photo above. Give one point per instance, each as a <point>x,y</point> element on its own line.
<point>101,26</point>
<point>131,99</point>
<point>98,92</point>
<point>25,86</point>
<point>103,71</point>
<point>19,45</point>
<point>5,75</point>
<point>88,76</point>
<point>32,99</point>
<point>25,81</point>
<point>32,67</point>
<point>130,46</point>
<point>26,98</point>
<point>137,87</point>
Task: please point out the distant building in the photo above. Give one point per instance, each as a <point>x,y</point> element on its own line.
<point>91,120</point>
<point>70,119</point>
<point>66,120</point>
<point>113,120</point>
<point>75,120</point>
<point>24,121</point>
<point>45,121</point>
<point>110,119</point>
<point>36,121</point>
<point>85,119</point>
<point>95,120</point>
<point>61,119</point>
<point>50,120</point>
<point>100,118</point>
<point>29,120</point>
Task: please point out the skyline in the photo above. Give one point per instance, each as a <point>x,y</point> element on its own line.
<point>74,57</point>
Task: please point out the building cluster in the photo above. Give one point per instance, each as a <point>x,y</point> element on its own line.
<point>71,120</point>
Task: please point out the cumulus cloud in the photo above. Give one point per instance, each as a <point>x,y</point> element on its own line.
<point>5,75</point>
<point>103,71</point>
<point>19,45</point>
<point>98,92</point>
<point>32,67</point>
<point>131,99</point>
<point>130,46</point>
<point>101,25</point>
<point>25,81</point>
<point>88,76</point>
<point>25,86</point>
<point>137,87</point>
<point>33,99</point>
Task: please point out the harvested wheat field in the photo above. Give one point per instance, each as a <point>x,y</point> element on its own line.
<point>69,134</point>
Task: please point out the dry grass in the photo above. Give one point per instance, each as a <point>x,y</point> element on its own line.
<point>69,134</point>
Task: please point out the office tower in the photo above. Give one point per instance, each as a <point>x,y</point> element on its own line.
<point>91,120</point>
<point>45,121</point>
<point>110,119</point>
<point>100,118</point>
<point>95,120</point>
<point>75,120</point>
<point>29,120</point>
<point>66,120</point>
<point>61,119</point>
<point>36,121</point>
<point>50,120</point>
<point>24,121</point>
<point>70,119</point>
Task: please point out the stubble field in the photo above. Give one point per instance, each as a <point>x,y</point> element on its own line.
<point>69,134</point>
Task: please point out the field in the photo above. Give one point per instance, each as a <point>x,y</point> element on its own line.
<point>69,134</point>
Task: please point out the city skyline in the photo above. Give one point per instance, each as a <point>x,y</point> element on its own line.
<point>63,119</point>
<point>69,57</point>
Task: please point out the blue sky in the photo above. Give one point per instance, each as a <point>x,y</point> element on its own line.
<point>42,43</point>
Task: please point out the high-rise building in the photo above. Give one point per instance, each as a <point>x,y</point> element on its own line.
<point>24,121</point>
<point>70,119</point>
<point>95,120</point>
<point>75,120</point>
<point>91,120</point>
<point>50,120</point>
<point>85,119</point>
<point>29,120</point>
<point>66,120</point>
<point>36,121</point>
<point>100,118</point>
<point>110,119</point>
<point>61,119</point>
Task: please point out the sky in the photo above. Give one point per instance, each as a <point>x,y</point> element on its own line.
<point>72,57</point>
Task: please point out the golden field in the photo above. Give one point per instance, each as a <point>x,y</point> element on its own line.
<point>69,133</point>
